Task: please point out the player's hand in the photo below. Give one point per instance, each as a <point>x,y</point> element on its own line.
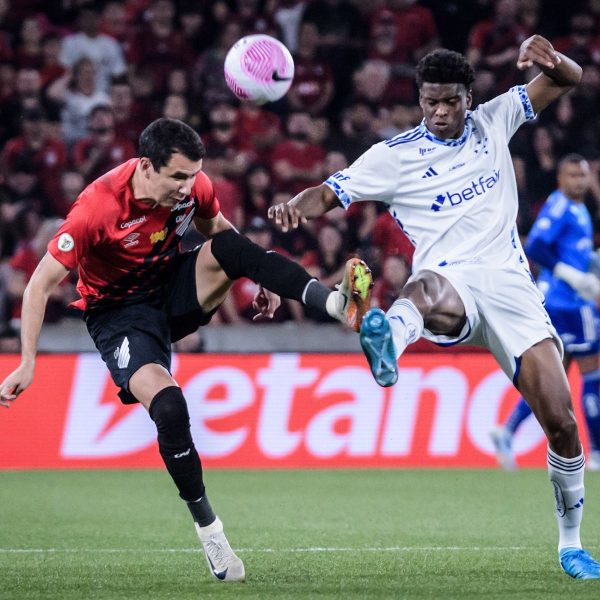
<point>286,216</point>
<point>266,303</point>
<point>14,384</point>
<point>537,50</point>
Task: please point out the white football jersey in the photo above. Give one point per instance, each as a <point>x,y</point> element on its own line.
<point>456,199</point>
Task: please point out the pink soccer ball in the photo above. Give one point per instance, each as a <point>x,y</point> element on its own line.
<point>259,68</point>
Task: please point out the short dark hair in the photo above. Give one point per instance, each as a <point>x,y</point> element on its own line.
<point>164,137</point>
<point>445,66</point>
<point>571,159</point>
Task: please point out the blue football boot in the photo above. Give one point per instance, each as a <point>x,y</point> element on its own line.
<point>378,346</point>
<point>579,564</point>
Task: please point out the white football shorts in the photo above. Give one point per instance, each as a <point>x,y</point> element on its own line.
<point>505,312</point>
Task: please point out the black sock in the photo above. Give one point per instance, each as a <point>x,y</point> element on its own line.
<point>202,511</point>
<point>316,295</point>
<point>239,257</point>
<point>168,410</point>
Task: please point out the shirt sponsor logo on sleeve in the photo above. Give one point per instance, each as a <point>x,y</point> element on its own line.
<point>66,243</point>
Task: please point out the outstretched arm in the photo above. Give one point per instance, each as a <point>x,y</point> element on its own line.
<point>559,73</point>
<point>309,204</point>
<point>48,274</point>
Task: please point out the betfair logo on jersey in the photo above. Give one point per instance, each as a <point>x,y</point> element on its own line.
<point>475,189</point>
<point>158,236</point>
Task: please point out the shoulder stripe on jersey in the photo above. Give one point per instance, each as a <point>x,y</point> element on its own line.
<point>405,134</point>
<point>393,142</point>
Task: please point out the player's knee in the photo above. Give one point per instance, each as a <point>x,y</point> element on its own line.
<point>234,252</point>
<point>169,412</point>
<point>562,434</point>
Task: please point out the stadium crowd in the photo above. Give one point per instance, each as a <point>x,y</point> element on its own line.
<point>79,80</point>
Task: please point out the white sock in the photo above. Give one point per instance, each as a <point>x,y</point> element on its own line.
<point>335,304</point>
<point>566,476</point>
<point>406,323</point>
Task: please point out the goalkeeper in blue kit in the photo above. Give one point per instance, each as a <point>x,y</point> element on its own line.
<point>560,241</point>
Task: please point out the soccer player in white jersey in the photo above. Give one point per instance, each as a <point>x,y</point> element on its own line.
<point>450,185</point>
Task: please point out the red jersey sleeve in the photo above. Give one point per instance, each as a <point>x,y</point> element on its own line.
<point>207,203</point>
<point>76,235</point>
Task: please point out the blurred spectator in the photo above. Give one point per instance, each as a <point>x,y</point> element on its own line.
<point>207,78</point>
<point>195,26</point>
<point>356,134</point>
<point>22,189</point>
<point>582,43</point>
<point>258,130</point>
<point>6,50</point>
<point>296,242</point>
<point>27,93</point>
<point>176,107</point>
<point>327,262</point>
<point>72,184</point>
<point>252,18</point>
<point>130,115</point>
<point>28,51</point>
<point>158,45</point>
<point>401,33</point>
<point>88,42</point>
<point>114,22</point>
<point>225,153</point>
<point>258,192</point>
<point>51,67</point>
<point>288,16</point>
<point>390,240</point>
<point>494,44</point>
<point>296,162</point>
<point>394,275</point>
<point>104,148</point>
<point>22,265</point>
<point>342,38</point>
<point>77,93</point>
<point>46,156</point>
<point>312,87</point>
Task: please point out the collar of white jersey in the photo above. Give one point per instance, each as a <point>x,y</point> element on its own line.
<point>450,142</point>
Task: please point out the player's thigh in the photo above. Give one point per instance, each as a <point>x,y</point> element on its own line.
<point>212,284</point>
<point>191,274</point>
<point>128,338</point>
<point>438,300</point>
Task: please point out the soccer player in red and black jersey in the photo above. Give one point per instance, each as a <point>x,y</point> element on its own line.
<point>139,293</point>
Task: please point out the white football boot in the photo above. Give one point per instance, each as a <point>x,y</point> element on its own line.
<point>224,565</point>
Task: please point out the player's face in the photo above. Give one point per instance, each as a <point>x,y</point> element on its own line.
<point>173,182</point>
<point>574,179</point>
<point>444,106</point>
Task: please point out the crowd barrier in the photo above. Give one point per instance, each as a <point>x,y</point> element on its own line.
<point>273,411</point>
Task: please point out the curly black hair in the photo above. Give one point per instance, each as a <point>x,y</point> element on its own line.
<point>445,66</point>
<point>164,137</point>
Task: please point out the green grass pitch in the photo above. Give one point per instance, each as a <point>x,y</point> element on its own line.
<point>302,534</point>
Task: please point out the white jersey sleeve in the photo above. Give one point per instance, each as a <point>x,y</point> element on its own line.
<point>372,176</point>
<point>507,112</point>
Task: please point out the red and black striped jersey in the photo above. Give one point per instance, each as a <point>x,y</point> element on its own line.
<point>122,246</point>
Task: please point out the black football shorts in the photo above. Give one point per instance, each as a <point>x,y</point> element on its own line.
<point>132,335</point>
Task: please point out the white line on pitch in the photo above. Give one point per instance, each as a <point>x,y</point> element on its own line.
<point>269,550</point>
